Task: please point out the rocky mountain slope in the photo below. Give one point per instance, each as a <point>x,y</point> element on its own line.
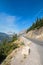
<point>36,34</point>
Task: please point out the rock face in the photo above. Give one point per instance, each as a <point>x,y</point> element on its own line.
<point>25,50</point>
<point>37,34</point>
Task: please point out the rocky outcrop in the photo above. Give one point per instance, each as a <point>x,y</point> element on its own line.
<point>37,34</point>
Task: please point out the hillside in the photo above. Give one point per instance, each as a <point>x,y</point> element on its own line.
<point>36,25</point>
<point>36,30</point>
<point>21,56</point>
<point>6,46</point>
<point>36,34</point>
<point>16,46</point>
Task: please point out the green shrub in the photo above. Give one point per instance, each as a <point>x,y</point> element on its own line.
<point>6,49</point>
<point>22,43</point>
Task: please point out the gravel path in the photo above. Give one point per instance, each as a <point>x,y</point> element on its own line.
<point>34,58</point>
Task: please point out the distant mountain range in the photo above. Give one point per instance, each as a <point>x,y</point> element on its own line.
<point>3,36</point>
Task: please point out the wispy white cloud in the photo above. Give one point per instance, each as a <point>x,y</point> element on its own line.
<point>8,23</point>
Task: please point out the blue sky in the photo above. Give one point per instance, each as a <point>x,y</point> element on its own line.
<point>17,15</point>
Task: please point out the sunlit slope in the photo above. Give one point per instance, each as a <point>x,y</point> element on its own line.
<point>36,30</point>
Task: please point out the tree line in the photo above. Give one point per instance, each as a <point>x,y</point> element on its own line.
<point>36,25</point>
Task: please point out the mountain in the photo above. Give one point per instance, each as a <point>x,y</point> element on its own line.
<point>7,37</point>
<point>3,36</point>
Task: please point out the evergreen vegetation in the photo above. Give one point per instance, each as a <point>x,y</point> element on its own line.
<point>7,47</point>
<point>36,25</point>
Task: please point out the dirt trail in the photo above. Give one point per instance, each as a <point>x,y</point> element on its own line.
<point>33,58</point>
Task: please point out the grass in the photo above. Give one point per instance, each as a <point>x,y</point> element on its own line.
<point>22,43</point>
